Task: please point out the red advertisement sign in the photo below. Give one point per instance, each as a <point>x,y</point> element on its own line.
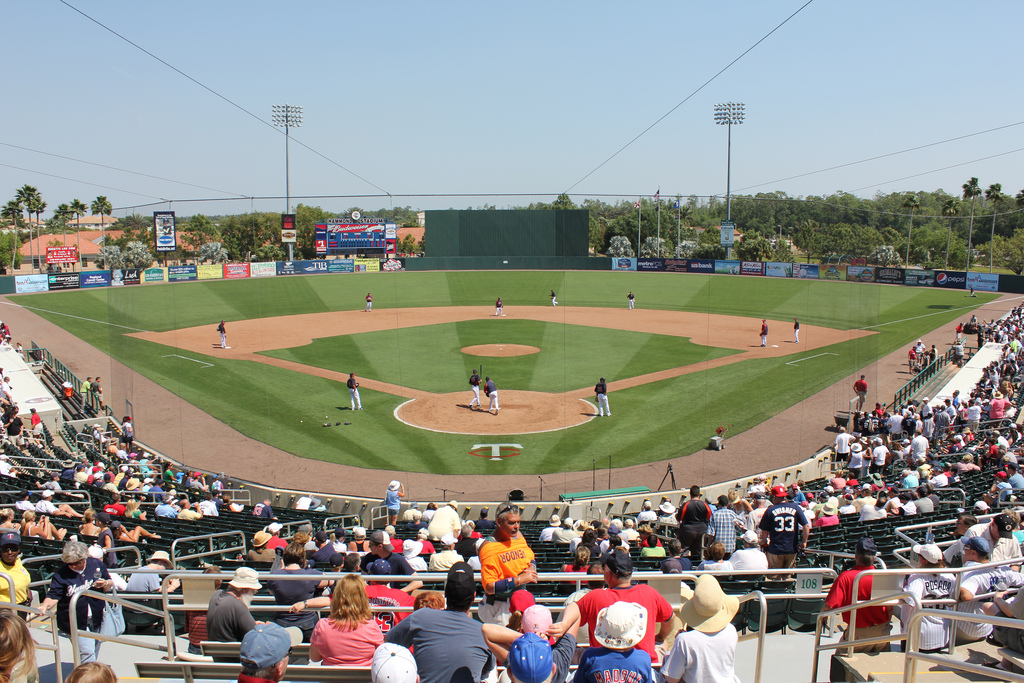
<point>62,254</point>
<point>236,271</point>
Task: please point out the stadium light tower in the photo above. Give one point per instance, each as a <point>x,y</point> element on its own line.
<point>727,114</point>
<point>287,116</point>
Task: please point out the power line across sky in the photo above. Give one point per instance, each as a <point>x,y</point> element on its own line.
<point>441,100</point>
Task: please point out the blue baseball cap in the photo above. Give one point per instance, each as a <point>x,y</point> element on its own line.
<point>978,545</point>
<point>379,567</point>
<point>268,644</point>
<point>529,659</point>
<point>10,537</point>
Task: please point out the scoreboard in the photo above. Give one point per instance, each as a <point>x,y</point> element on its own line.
<point>336,237</point>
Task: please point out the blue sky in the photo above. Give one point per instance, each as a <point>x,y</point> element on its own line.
<point>466,98</point>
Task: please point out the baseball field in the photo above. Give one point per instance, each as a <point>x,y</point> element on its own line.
<point>685,362</point>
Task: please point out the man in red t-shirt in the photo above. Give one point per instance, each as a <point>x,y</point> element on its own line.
<point>382,595</point>
<point>861,388</point>
<point>115,508</point>
<point>872,622</point>
<point>618,571</point>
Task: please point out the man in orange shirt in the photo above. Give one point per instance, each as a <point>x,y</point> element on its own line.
<point>506,563</point>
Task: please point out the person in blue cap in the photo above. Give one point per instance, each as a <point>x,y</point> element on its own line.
<point>265,651</point>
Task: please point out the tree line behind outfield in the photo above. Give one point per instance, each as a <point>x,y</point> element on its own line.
<point>774,225</point>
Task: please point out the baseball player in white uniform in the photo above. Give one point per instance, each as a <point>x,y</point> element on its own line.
<point>554,300</point>
<point>353,392</point>
<point>492,393</point>
<point>369,303</point>
<point>498,310</point>
<point>630,298</point>
<point>474,384</point>
<point>601,389</point>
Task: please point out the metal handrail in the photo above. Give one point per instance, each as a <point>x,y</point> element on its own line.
<point>345,520</point>
<point>75,633</point>
<point>850,644</point>
<point>762,626</point>
<point>241,547</point>
<point>120,570</point>
<point>913,655</point>
<point>78,494</point>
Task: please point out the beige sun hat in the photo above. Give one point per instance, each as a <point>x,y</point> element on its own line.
<point>710,609</point>
<point>246,577</point>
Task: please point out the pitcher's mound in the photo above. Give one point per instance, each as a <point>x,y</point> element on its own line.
<point>500,350</point>
<point>522,412</point>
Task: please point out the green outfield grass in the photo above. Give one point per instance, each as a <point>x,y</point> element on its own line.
<point>568,358</point>
<point>652,422</point>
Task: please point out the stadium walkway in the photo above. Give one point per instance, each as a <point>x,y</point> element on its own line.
<point>187,434</point>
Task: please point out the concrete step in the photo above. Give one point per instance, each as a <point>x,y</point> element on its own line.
<point>887,667</point>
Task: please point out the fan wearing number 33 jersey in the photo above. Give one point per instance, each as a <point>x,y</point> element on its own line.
<point>784,530</point>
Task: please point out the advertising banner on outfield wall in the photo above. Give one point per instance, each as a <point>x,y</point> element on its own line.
<point>210,271</point>
<point>27,284</point>
<point>263,269</point>
<point>289,267</point>
<point>676,265</point>
<point>889,276</point>
<point>58,281</point>
<point>701,265</point>
<point>314,267</point>
<point>624,263</point>
<point>154,275</point>
<point>366,265</point>
<point>751,268</point>
<point>951,279</point>
<point>180,273</point>
<point>983,282</point>
<point>860,273</point>
<point>96,278</point>
<point>805,271</point>
<point>393,265</point>
<point>340,265</point>
<point>236,271</point>
<point>778,269</point>
<point>918,278</point>
<point>832,273</point>
<point>727,267</point>
<point>126,276</point>
<point>650,264</point>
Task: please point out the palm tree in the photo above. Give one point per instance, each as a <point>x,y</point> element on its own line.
<point>971,191</point>
<point>12,212</point>
<point>101,207</point>
<point>27,197</point>
<point>950,209</point>
<point>78,209</point>
<point>994,194</point>
<point>63,212</point>
<point>913,203</point>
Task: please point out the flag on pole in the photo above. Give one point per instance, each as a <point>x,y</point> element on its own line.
<point>637,205</point>
<point>675,204</point>
<point>657,195</point>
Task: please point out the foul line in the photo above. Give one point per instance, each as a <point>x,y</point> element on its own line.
<point>77,317</point>
<point>794,362</point>
<point>926,315</point>
<point>174,355</point>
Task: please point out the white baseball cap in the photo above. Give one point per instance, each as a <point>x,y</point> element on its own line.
<point>393,664</point>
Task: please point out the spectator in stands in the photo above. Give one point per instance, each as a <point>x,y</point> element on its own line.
<point>874,508</point>
<point>17,649</point>
<point>275,542</point>
<point>263,510</point>
<point>79,573</point>
<point>998,535</point>
<point>674,562</point>
<point>380,548</point>
<point>228,618</point>
<point>829,515</point>
<point>725,524</point>
<point>618,574</point>
<point>167,508</point>
<point>647,540</point>
<point>122,534</point>
<point>359,544</point>
<point>668,512</point>
<point>580,561</point>
<point>506,563</point>
<point>442,561</point>
<point>10,564</point>
<point>6,469</point>
<point>147,579</point>
<point>393,500</point>
<point>445,520</point>
<point>265,653</point>
<point>872,622</point>
<point>528,656</point>
<point>647,515</point>
<point>41,528</point>
<point>415,520</point>
<point>548,532</point>
<point>260,552</point>
<point>466,544</point>
<point>986,579</point>
<point>229,505</point>
<point>784,529</point>
<point>858,464</point>
<point>349,636</point>
<point>566,534</point>
<point>706,652</point>
<point>842,445</point>
<point>750,556</point>
<point>428,513</point>
<point>187,511</point>
<point>485,524</point>
<point>431,632</point>
<point>45,506</point>
<point>716,561</point>
<point>412,550</point>
<point>293,563</point>
<point>629,534</point>
<point>930,584</point>
<point>619,628</point>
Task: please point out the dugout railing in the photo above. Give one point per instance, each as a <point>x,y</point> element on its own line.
<point>925,374</point>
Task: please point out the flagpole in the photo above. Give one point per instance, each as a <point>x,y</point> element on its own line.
<point>658,200</point>
<point>679,223</point>
<point>639,201</point>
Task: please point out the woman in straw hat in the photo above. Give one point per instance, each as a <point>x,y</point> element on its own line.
<point>260,551</point>
<point>706,652</point>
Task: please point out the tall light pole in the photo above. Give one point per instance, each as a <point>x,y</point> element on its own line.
<point>287,116</point>
<point>727,114</point>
